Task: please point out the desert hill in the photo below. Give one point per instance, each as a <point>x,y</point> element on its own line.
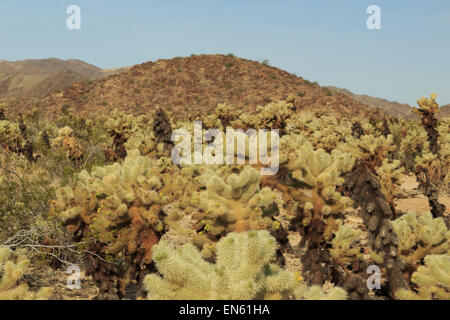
<point>196,84</point>
<point>39,78</point>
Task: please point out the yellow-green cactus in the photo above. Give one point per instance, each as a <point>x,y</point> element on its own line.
<point>304,292</point>
<point>325,132</point>
<point>429,104</point>
<point>10,136</point>
<point>316,174</point>
<point>432,280</point>
<point>243,270</point>
<point>420,235</point>
<point>124,124</point>
<point>234,204</point>
<point>271,116</point>
<point>120,204</point>
<point>369,148</point>
<point>390,175</point>
<point>344,246</point>
<point>13,266</point>
<point>137,132</point>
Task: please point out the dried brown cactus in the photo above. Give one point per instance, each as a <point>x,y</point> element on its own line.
<point>357,130</point>
<point>364,188</point>
<point>430,190</point>
<point>162,129</point>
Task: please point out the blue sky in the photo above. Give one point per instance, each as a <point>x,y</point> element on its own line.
<point>322,40</point>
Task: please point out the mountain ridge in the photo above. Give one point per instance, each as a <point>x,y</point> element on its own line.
<point>397,109</point>
<point>41,77</point>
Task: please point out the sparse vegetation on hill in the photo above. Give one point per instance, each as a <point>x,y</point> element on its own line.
<point>196,85</point>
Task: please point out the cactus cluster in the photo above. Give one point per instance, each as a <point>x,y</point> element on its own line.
<point>67,141</point>
<point>234,204</point>
<point>10,136</point>
<point>390,175</point>
<point>113,204</point>
<point>428,107</point>
<point>119,207</point>
<point>13,266</point>
<point>420,235</point>
<point>431,280</point>
<point>274,115</point>
<point>243,270</point>
<point>344,246</point>
<point>227,231</point>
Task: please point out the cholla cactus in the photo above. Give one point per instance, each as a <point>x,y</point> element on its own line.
<point>319,173</point>
<point>119,206</point>
<point>68,143</point>
<point>3,110</point>
<point>420,235</point>
<point>365,190</point>
<point>344,246</point>
<point>10,136</point>
<point>312,179</point>
<point>271,116</point>
<point>13,266</point>
<point>432,280</point>
<point>390,175</point>
<point>236,204</point>
<point>413,144</point>
<point>124,124</point>
<point>162,131</point>
<point>226,114</point>
<point>369,148</point>
<point>429,166</point>
<point>242,271</point>
<point>357,130</point>
<point>325,132</point>
<point>444,140</point>
<point>304,292</point>
<point>428,107</point>
<point>432,164</point>
<point>138,133</point>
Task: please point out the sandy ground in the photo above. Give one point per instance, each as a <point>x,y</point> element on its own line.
<point>412,200</point>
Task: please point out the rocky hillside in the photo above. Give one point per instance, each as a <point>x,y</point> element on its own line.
<point>196,84</point>
<point>39,78</point>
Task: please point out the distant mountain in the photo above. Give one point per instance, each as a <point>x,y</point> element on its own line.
<point>39,78</point>
<point>196,84</point>
<point>445,111</point>
<point>396,109</point>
